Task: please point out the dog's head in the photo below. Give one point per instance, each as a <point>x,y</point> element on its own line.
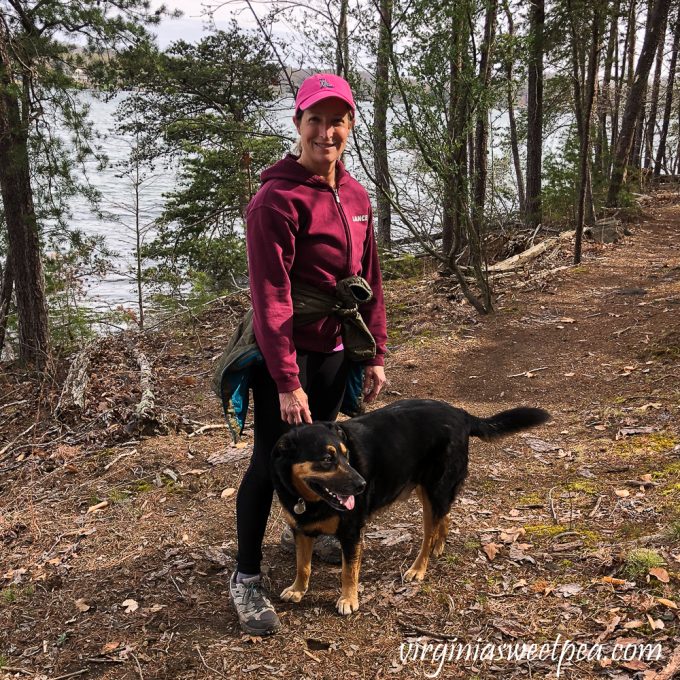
<point>311,461</point>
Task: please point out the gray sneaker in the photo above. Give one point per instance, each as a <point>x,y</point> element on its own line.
<point>255,612</point>
<point>326,548</point>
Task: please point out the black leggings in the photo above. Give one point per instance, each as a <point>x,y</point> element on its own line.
<point>323,378</point>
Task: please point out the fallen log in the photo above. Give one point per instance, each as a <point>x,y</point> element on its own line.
<point>147,402</point>
<point>72,395</point>
<point>526,256</point>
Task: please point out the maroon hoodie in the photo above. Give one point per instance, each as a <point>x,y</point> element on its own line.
<point>299,229</point>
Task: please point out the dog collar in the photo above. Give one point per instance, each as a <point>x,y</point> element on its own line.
<point>300,506</point>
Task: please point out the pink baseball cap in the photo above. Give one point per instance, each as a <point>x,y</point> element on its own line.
<point>322,86</point>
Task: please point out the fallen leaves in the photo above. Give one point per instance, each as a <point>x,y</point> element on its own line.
<point>491,550</point>
<point>81,605</point>
<point>541,446</point>
<point>517,554</point>
<point>15,575</point>
<point>568,590</point>
<point>667,603</point>
<point>216,556</point>
<point>669,670</point>
<point>660,574</point>
<point>108,648</point>
<point>131,606</point>
<point>655,624</point>
<point>653,404</point>
<point>512,534</point>
<point>389,537</point>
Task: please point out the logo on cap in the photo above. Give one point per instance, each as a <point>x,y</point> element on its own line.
<point>324,83</point>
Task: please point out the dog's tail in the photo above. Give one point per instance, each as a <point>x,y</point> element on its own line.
<point>507,422</point>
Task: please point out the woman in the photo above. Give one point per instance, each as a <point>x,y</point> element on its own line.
<point>309,224</point>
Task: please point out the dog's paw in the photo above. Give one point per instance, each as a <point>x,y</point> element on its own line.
<point>290,594</point>
<point>414,574</point>
<point>347,605</point>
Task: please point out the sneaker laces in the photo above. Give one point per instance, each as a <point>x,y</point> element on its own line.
<point>255,591</point>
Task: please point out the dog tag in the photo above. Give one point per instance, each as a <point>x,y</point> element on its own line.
<point>300,506</point>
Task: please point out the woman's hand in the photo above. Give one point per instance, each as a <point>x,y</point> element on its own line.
<point>295,407</point>
<point>374,379</point>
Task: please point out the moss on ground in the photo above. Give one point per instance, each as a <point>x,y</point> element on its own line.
<point>640,561</point>
<point>645,444</point>
<point>582,487</point>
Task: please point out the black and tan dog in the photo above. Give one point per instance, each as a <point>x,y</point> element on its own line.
<point>331,477</point>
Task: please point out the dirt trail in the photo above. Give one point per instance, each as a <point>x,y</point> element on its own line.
<point>540,537</point>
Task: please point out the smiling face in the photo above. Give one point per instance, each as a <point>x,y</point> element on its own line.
<point>324,129</point>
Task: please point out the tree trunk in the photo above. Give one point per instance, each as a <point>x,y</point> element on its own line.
<point>634,99</point>
<point>455,180</point>
<point>586,112</point>
<point>22,229</point>
<point>661,149</point>
<point>602,154</point>
<point>482,126</point>
<point>514,143</point>
<point>380,106</point>
<point>636,152</point>
<point>534,211</point>
<point>626,70</point>
<point>5,299</point>
<point>342,46</point>
<point>654,101</point>
<point>631,39</point>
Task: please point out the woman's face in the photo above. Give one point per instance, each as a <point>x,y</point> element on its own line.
<point>324,129</point>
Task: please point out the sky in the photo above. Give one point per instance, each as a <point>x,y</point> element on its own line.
<point>192,25</point>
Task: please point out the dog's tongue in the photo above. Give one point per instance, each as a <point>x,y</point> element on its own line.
<point>347,501</point>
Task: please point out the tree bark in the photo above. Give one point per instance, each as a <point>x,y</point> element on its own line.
<point>514,143</point>
<point>661,149</point>
<point>586,112</point>
<point>5,299</point>
<point>482,126</point>
<point>654,101</point>
<point>625,73</point>
<point>534,211</point>
<point>636,152</point>
<point>455,179</point>
<point>635,98</point>
<point>602,152</point>
<point>22,228</point>
<point>380,106</point>
<point>342,46</point>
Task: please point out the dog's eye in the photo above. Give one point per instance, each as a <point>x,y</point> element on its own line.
<point>328,459</point>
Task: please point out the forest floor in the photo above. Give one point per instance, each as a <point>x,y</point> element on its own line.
<point>117,536</point>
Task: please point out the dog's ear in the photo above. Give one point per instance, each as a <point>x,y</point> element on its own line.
<point>341,434</point>
<point>284,446</point>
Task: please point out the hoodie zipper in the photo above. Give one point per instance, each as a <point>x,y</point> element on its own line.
<point>348,231</point>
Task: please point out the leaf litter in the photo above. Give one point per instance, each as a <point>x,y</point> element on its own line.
<point>172,537</point>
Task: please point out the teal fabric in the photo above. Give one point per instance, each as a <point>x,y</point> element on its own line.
<point>352,403</point>
<point>236,385</point>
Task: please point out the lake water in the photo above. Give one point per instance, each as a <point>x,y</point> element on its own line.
<point>118,203</point>
<point>117,195</point>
